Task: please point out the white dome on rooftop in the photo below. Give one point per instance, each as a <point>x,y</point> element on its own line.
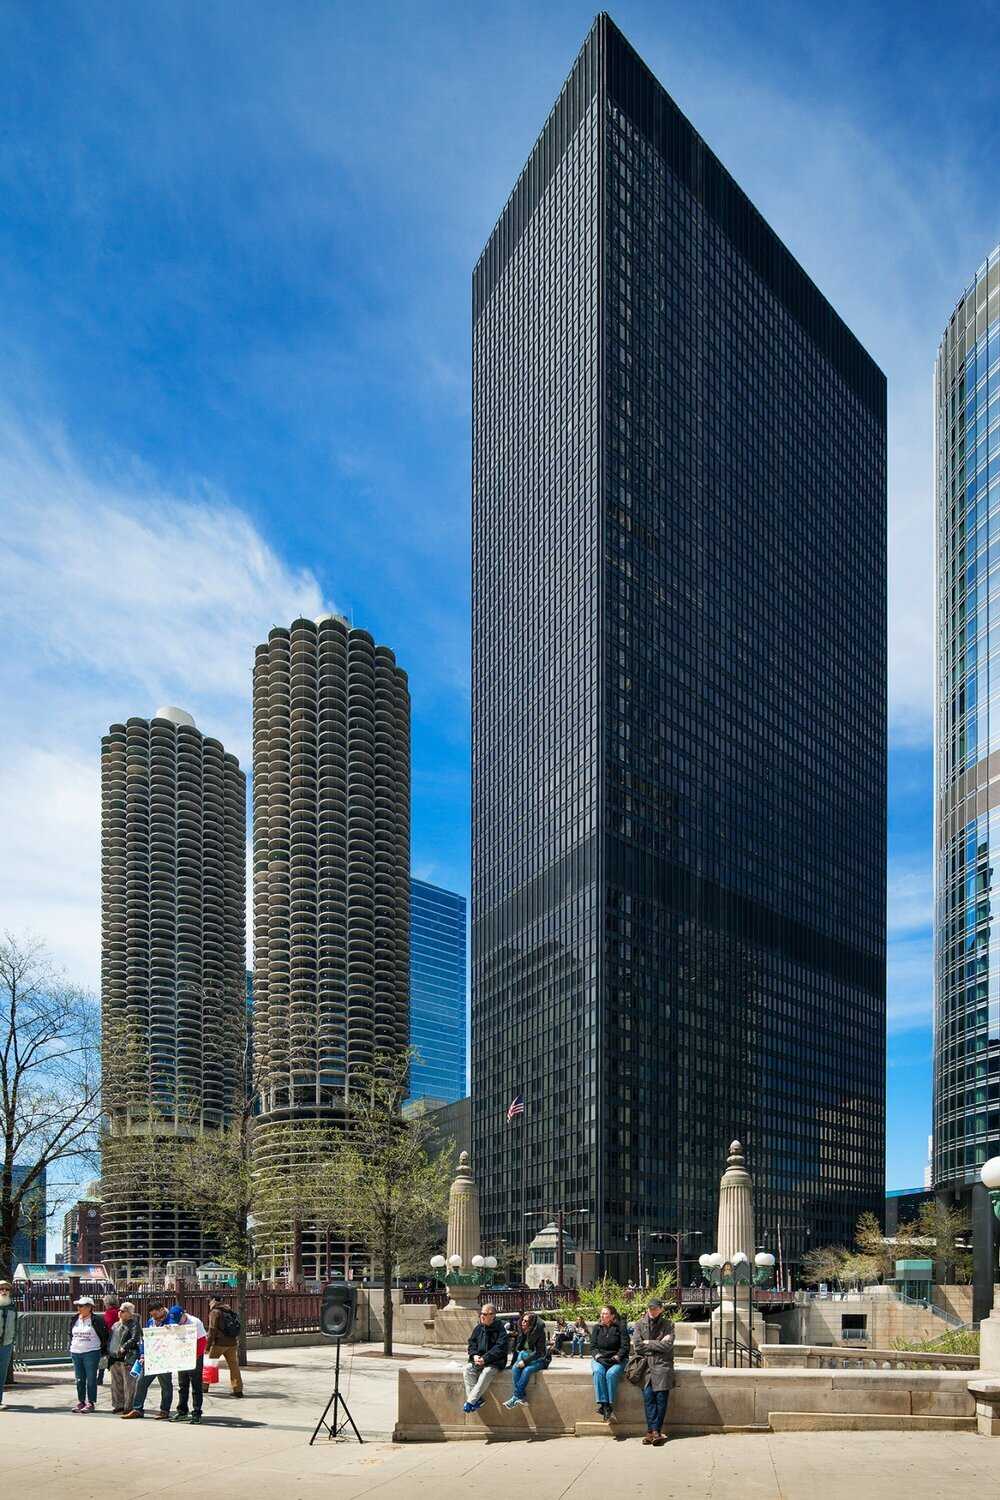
<point>175,716</point>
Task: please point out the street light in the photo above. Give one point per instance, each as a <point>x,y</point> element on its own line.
<point>678,1236</point>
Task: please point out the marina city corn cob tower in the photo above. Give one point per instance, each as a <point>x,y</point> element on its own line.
<point>679,673</point>
<point>331,874</point>
<point>173,964</point>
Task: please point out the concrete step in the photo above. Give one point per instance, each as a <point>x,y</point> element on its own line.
<point>815,1421</point>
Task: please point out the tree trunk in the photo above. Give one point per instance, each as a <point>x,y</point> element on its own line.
<point>241,1310</point>
<point>386,1304</point>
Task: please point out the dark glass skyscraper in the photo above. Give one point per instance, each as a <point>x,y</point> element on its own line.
<point>679,673</point>
<point>438,1009</point>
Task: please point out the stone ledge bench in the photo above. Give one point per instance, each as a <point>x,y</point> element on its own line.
<point>561,1403</point>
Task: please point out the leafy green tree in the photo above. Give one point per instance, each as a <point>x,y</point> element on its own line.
<point>824,1263</point>
<point>871,1243</point>
<point>383,1188</point>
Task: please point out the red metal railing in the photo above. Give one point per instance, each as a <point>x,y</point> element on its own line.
<point>269,1310</point>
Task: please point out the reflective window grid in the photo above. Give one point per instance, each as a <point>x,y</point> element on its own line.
<point>679,672</point>
<point>438,1009</point>
<point>967,741</point>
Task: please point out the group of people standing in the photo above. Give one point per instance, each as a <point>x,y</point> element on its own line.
<point>646,1356</point>
<point>112,1339</point>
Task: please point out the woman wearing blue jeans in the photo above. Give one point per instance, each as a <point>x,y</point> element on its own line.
<point>530,1355</point>
<point>608,1357</point>
<point>88,1341</point>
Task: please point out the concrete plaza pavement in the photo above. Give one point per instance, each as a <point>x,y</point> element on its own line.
<point>259,1446</point>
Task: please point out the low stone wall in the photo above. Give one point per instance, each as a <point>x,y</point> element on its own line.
<point>561,1403</point>
<point>824,1357</point>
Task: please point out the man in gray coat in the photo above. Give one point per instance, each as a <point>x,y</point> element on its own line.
<point>654,1340</point>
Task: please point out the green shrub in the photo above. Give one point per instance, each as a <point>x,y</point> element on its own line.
<point>608,1291</point>
<point>959,1341</point>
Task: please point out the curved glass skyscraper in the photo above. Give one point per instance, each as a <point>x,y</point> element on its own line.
<point>967,734</point>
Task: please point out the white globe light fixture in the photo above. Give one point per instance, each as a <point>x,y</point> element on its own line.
<point>478,1261</point>
<point>490,1262</point>
<point>740,1258</point>
<point>438,1262</point>
<point>763,1260</point>
<point>715,1260</point>
<point>454,1261</point>
<point>705,1261</point>
<point>990,1174</point>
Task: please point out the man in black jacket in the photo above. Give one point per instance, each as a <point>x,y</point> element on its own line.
<point>487,1357</point>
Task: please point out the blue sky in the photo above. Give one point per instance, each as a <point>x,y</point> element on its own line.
<point>235,251</point>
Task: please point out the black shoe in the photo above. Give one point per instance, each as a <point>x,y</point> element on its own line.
<point>196,1417</point>
<point>181,1416</point>
<point>238,1395</point>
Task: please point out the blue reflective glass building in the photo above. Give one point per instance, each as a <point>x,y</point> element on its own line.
<point>29,1241</point>
<point>967,734</point>
<point>437,993</point>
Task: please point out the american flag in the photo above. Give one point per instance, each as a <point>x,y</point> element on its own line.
<point>515,1107</point>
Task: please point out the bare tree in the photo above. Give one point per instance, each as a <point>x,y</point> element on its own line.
<point>50,1078</point>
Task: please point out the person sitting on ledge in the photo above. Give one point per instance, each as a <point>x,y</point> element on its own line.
<point>487,1357</point>
<point>530,1354</point>
<point>608,1357</point>
<point>654,1339</point>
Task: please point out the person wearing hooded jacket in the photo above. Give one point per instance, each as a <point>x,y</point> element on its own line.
<point>531,1354</point>
<point>189,1382</point>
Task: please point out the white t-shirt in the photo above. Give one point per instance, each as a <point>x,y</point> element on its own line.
<point>84,1338</point>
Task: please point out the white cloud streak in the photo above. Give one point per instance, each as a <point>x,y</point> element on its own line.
<point>115,597</point>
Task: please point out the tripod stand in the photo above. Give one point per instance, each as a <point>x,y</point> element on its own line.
<point>336,1427</point>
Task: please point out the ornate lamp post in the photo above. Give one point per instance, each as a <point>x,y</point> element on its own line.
<point>728,1277</point>
<point>990,1174</point>
<point>985,1213</point>
<point>764,1261</point>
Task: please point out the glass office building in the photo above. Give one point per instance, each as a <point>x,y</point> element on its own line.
<point>30,1236</point>
<point>967,737</point>
<point>438,1010</point>
<point>679,674</point>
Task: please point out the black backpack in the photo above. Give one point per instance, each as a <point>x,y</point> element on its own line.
<point>229,1323</point>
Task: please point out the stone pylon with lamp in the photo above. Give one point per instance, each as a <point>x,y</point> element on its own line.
<point>463,1215</point>
<point>735,1245</point>
<point>464,1268</point>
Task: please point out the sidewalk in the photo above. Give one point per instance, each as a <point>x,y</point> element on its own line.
<point>259,1446</point>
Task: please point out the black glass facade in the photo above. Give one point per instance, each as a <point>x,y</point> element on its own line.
<point>679,660</point>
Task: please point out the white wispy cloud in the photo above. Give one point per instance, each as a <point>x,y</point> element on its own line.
<point>116,596</point>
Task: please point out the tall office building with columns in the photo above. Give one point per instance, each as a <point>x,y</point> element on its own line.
<point>331,873</point>
<point>173,962</point>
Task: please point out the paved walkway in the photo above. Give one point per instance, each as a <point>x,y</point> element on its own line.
<point>259,1447</point>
